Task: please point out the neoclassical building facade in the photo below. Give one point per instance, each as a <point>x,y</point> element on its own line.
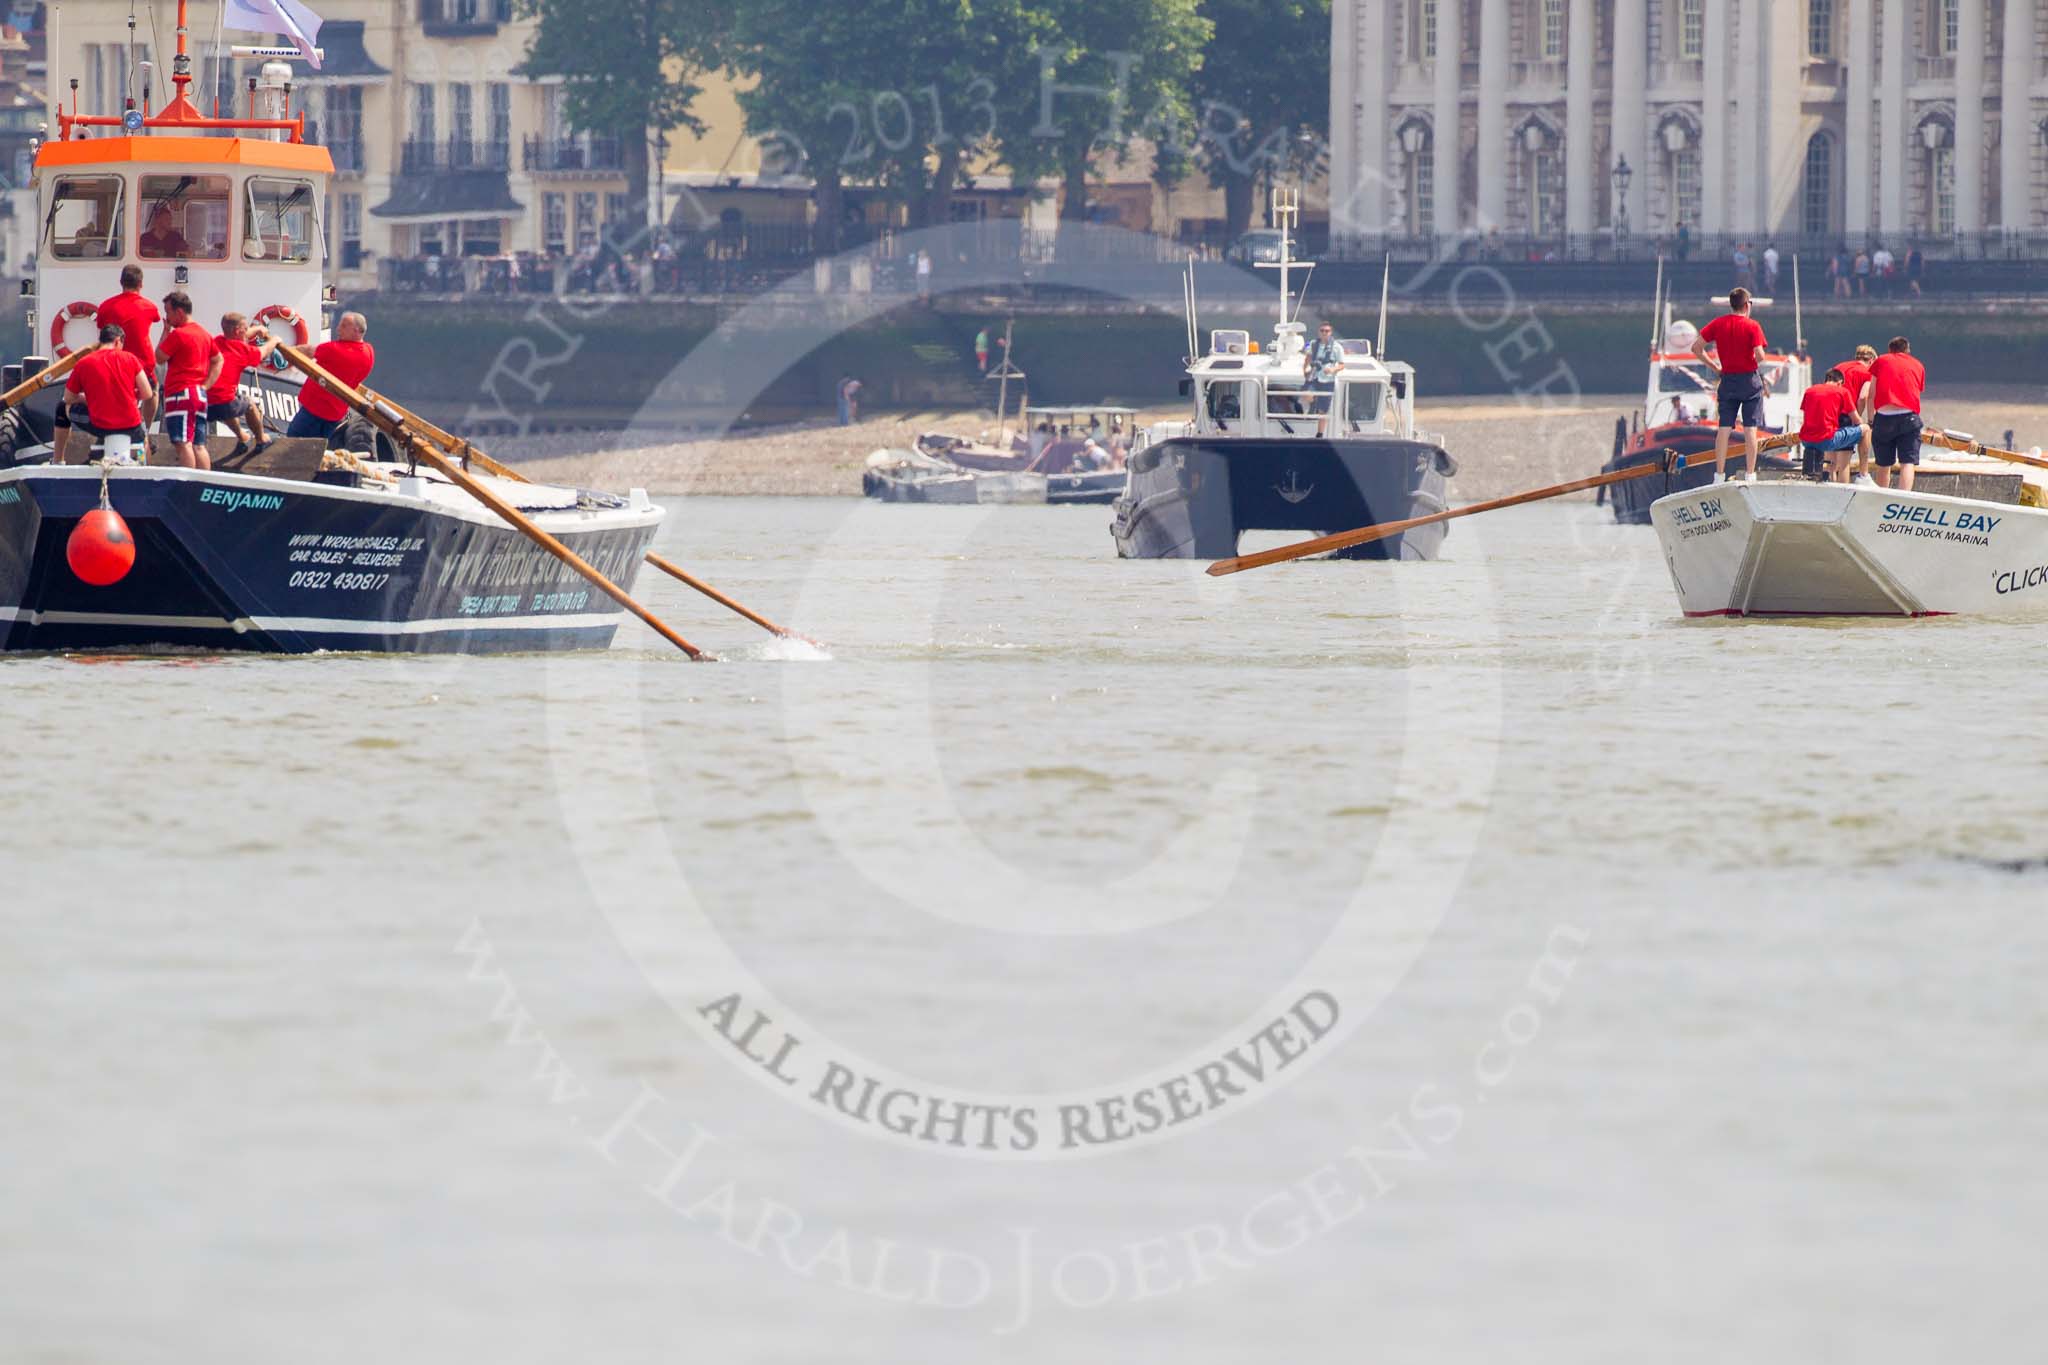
<point>1812,120</point>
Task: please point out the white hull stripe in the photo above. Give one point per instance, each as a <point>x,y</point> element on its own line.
<point>311,625</point>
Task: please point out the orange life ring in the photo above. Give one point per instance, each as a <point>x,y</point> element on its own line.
<point>284,314</point>
<point>61,322</point>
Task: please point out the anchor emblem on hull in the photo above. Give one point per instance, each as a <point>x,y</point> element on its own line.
<point>1292,491</point>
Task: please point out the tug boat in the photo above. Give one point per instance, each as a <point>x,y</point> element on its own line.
<point>1262,452</point>
<point>1680,413</point>
<point>297,548</point>
<point>1797,548</point>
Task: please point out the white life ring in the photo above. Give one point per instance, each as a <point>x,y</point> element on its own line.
<point>284,314</point>
<point>61,321</point>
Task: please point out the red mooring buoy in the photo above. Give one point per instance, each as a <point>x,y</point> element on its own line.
<point>101,551</point>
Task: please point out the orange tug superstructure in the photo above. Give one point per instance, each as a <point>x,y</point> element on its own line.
<point>233,220</point>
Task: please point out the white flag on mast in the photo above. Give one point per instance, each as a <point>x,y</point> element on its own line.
<point>288,17</point>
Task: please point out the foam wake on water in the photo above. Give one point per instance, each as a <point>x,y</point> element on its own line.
<point>780,649</point>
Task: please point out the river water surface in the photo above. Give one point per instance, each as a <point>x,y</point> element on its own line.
<point>1467,960</point>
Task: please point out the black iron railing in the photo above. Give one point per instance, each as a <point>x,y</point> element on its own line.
<point>425,158</point>
<point>574,154</point>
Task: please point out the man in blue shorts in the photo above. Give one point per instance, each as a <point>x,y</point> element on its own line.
<point>1738,356</point>
<point>1829,430</point>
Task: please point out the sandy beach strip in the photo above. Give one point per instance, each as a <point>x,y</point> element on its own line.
<point>1502,445</point>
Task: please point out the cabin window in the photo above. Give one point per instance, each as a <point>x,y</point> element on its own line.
<point>1226,401</point>
<point>1362,403</point>
<point>85,218</point>
<point>184,217</point>
<point>282,222</point>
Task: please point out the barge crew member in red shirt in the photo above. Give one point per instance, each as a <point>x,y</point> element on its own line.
<point>1738,354</point>
<point>134,315</point>
<point>111,389</point>
<point>190,367</point>
<point>237,349</point>
<point>1856,379</point>
<point>1829,429</point>
<point>1896,383</point>
<point>348,358</point>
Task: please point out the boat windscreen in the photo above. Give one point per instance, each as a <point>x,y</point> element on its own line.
<point>1684,379</point>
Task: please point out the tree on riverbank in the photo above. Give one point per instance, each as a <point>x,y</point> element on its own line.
<point>1263,96</point>
<point>907,97</point>
<point>628,70</point>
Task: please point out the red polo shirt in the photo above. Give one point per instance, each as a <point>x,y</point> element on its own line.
<point>134,315</point>
<point>1855,374</point>
<point>236,355</point>
<point>1898,382</point>
<point>348,361</point>
<point>1735,339</point>
<point>188,355</point>
<point>107,380</point>
<point>1824,406</point>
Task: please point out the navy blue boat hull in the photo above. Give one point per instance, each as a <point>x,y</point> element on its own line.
<point>225,562</point>
<point>1695,441</point>
<point>1193,497</point>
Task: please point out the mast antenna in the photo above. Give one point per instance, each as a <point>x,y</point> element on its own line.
<point>1386,280</point>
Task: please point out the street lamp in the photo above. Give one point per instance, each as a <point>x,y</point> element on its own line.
<point>1622,175</point>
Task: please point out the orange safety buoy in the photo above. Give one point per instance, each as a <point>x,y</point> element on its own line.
<point>101,550</point>
<point>61,322</point>
<point>285,314</point>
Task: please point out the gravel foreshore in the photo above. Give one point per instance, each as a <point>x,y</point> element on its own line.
<point>1502,445</point>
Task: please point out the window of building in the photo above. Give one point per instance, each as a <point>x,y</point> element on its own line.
<point>281,222</point>
<point>1692,29</point>
<point>85,218</point>
<point>1818,219</point>
<point>1685,177</point>
<point>618,210</point>
<point>1546,190</point>
<point>1427,10</point>
<point>184,217</point>
<point>461,118</point>
<point>554,222</point>
<point>586,217</point>
<point>1820,28</point>
<point>343,129</point>
<point>1948,25</point>
<point>1941,175</point>
<point>1422,195</point>
<point>499,97</point>
<point>422,112</point>
<point>1553,30</point>
<point>351,231</point>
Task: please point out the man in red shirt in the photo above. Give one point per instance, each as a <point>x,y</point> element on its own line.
<point>112,388</point>
<point>237,350</point>
<point>1739,351</point>
<point>1896,383</point>
<point>1829,429</point>
<point>190,368</point>
<point>1856,379</point>
<point>348,358</point>
<point>133,314</point>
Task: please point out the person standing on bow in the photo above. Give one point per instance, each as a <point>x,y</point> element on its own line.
<point>1321,360</point>
<point>1739,351</point>
<point>348,358</point>
<point>1896,382</point>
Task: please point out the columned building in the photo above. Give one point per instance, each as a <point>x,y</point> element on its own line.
<point>1922,121</point>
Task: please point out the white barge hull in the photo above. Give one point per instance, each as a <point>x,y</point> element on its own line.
<point>1810,549</point>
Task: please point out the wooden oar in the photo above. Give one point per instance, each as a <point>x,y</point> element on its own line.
<point>386,419</point>
<point>460,449</point>
<point>1344,540</point>
<point>677,572</point>
<point>1970,446</point>
<point>23,391</point>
